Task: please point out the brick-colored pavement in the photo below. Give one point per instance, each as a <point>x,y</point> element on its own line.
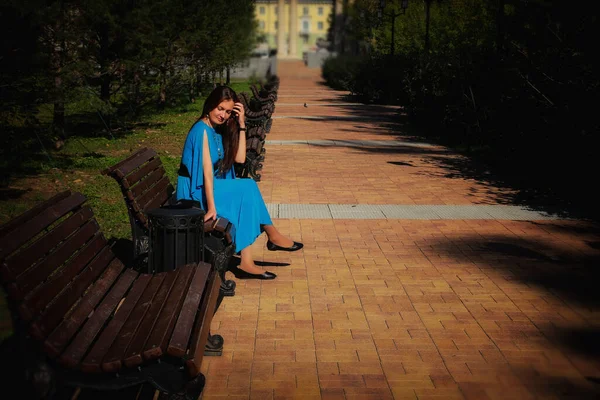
<point>402,309</point>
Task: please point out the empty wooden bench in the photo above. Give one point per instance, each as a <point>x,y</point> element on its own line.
<point>93,321</point>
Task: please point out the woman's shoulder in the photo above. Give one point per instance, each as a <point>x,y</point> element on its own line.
<point>198,129</point>
<point>199,126</point>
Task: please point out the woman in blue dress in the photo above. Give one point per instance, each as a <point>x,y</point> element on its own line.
<point>206,174</point>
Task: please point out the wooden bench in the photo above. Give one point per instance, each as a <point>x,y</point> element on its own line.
<point>145,186</point>
<point>93,321</point>
<point>264,96</point>
<point>258,111</point>
<point>269,88</point>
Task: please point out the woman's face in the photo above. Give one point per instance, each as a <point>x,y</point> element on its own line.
<point>221,113</point>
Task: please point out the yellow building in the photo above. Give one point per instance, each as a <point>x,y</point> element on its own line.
<point>312,23</point>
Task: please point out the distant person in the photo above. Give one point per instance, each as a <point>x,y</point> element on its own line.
<point>206,174</point>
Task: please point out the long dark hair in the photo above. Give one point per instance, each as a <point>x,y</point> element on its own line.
<point>230,130</point>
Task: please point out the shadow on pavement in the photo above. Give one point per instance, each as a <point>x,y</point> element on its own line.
<point>564,274</point>
<point>531,187</point>
<point>567,274</point>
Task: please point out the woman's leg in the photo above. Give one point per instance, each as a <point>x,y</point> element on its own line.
<point>276,237</point>
<point>247,262</point>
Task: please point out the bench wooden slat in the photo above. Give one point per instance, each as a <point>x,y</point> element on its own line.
<point>132,164</point>
<point>209,225</point>
<point>35,275</point>
<point>43,296</point>
<point>156,345</point>
<point>142,219</point>
<point>27,215</point>
<point>29,229</point>
<point>22,260</point>
<point>133,357</point>
<point>85,337</point>
<point>185,322</point>
<point>93,361</point>
<point>113,360</point>
<point>124,167</point>
<point>254,144</point>
<point>142,186</point>
<point>54,313</point>
<point>262,98</point>
<point>156,196</point>
<point>154,164</point>
<point>202,326</point>
<point>223,226</point>
<point>68,327</point>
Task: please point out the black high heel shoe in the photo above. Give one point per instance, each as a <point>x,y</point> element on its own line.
<point>273,247</point>
<point>241,274</point>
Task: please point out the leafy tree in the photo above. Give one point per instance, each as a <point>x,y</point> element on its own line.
<point>109,53</point>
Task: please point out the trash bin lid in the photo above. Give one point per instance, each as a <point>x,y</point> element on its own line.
<point>175,212</point>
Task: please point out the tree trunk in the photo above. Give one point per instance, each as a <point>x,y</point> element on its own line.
<point>427,9</point>
<point>162,91</point>
<point>192,84</point>
<point>342,27</point>
<point>137,81</point>
<point>500,28</point>
<point>105,77</point>
<point>58,116</point>
<point>56,63</point>
<point>199,81</point>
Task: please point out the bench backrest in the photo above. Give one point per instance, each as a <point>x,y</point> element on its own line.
<point>254,111</point>
<point>84,307</point>
<point>143,181</point>
<point>263,96</point>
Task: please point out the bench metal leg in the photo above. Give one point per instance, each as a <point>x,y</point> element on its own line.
<point>227,286</point>
<point>214,345</point>
<point>192,391</point>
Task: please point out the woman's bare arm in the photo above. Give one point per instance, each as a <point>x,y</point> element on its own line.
<point>240,155</point>
<point>207,170</point>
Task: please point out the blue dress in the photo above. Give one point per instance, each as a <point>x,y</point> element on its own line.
<point>238,200</point>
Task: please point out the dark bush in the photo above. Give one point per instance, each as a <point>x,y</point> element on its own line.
<point>339,72</point>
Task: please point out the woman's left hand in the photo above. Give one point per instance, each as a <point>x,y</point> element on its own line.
<point>238,109</point>
<point>211,213</point>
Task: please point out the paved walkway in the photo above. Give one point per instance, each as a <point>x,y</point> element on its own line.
<point>415,281</point>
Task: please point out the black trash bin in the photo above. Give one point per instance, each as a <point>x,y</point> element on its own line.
<point>176,237</point>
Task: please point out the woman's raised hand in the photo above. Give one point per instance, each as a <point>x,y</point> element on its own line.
<point>238,109</point>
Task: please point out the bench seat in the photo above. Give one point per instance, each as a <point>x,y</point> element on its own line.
<point>100,323</point>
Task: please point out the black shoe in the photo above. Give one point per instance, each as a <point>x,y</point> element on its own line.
<point>273,247</point>
<point>241,274</point>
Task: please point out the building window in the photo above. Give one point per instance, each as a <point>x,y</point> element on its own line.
<point>261,24</point>
<point>305,10</point>
<point>275,9</point>
<point>261,10</point>
<point>320,25</point>
<point>305,26</point>
<point>276,24</point>
<point>320,10</point>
